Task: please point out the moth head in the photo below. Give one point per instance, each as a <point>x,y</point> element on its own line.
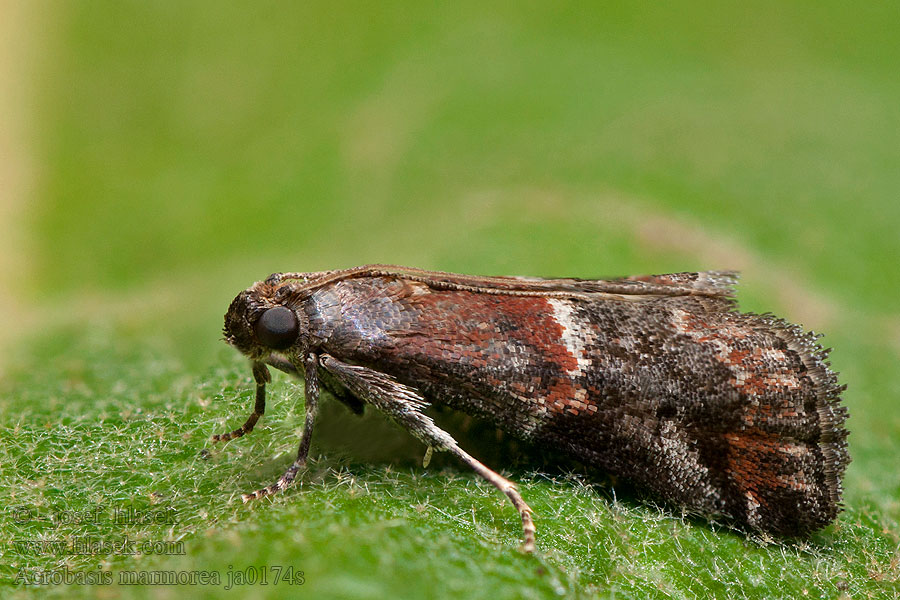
<point>257,325</point>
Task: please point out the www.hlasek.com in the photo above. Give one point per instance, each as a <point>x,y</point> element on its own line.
<point>95,546</point>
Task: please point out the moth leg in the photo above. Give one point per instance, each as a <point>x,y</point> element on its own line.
<point>507,487</point>
<point>262,377</point>
<point>404,405</point>
<point>311,401</point>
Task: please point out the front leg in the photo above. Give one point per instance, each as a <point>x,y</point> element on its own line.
<point>262,377</point>
<point>404,405</point>
<point>311,402</point>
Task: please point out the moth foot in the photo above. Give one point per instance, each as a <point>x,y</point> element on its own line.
<point>283,482</point>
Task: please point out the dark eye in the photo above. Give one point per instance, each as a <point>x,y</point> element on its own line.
<point>277,328</point>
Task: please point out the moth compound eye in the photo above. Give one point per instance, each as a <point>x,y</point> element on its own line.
<point>277,328</point>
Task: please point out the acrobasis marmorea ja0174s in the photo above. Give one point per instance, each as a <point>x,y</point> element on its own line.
<point>657,379</point>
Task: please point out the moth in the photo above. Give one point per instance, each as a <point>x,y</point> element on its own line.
<point>657,379</point>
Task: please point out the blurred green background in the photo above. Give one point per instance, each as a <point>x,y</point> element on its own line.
<point>160,157</point>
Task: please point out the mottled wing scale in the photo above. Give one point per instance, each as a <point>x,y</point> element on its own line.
<point>717,411</point>
<point>722,412</point>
